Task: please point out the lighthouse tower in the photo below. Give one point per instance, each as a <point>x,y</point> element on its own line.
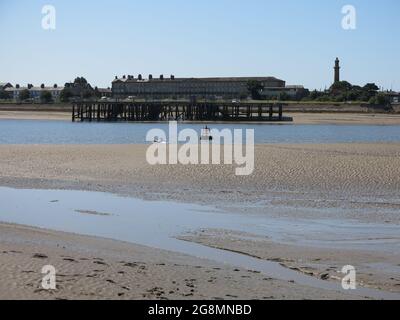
<point>337,70</point>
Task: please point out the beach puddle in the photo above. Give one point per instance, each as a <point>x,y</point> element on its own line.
<point>158,224</point>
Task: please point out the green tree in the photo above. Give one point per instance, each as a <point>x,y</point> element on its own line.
<point>82,89</point>
<point>371,87</point>
<point>255,87</point>
<point>324,98</point>
<point>341,86</point>
<point>46,96</point>
<point>86,94</point>
<point>4,94</point>
<point>370,90</point>
<point>352,95</point>
<point>65,94</point>
<point>340,97</point>
<point>380,99</point>
<point>315,95</point>
<point>24,95</point>
<point>365,96</point>
<point>97,94</point>
<point>81,81</point>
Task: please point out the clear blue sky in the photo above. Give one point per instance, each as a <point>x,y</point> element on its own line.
<point>290,39</point>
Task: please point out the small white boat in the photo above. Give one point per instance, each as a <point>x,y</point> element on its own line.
<point>206,134</point>
<point>159,140</point>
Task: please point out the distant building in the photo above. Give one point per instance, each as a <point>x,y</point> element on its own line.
<point>5,85</point>
<point>104,92</point>
<point>394,97</point>
<point>292,92</point>
<point>207,88</point>
<point>34,92</point>
<point>3,93</point>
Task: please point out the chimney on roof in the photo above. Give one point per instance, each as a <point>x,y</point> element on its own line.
<point>161,77</point>
<point>17,86</point>
<point>172,77</point>
<point>150,77</point>
<point>116,77</point>
<point>140,77</point>
<point>42,85</point>
<point>55,86</point>
<point>124,77</point>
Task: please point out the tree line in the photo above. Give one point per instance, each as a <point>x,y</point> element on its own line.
<point>341,91</point>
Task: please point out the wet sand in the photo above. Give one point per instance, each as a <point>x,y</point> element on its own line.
<point>352,181</point>
<point>377,270</point>
<point>355,176</point>
<point>93,268</point>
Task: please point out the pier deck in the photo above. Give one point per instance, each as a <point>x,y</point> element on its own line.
<point>168,111</point>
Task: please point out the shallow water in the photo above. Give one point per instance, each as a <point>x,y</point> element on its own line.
<point>157,224</point>
<point>63,132</point>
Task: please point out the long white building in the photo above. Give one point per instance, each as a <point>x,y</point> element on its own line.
<point>171,87</point>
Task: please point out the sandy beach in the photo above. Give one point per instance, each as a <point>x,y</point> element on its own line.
<point>308,175</point>
<point>345,118</point>
<point>312,261</point>
<point>35,115</point>
<point>290,181</point>
<point>93,268</point>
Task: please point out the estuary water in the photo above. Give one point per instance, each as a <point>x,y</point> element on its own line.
<point>62,132</point>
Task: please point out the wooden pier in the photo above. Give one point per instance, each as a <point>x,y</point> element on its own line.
<point>183,111</point>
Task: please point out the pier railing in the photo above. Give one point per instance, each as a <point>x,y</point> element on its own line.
<point>185,111</point>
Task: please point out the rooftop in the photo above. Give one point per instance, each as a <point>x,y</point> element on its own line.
<point>216,79</point>
<point>392,93</point>
<point>35,89</point>
<point>106,90</point>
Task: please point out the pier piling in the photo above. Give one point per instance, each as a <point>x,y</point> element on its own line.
<point>165,111</point>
